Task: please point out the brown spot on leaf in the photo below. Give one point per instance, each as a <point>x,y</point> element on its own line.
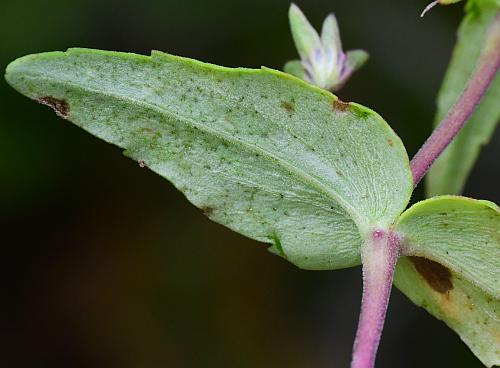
<point>61,107</point>
<point>207,210</point>
<point>390,142</point>
<point>288,107</point>
<point>436,275</point>
<point>339,105</point>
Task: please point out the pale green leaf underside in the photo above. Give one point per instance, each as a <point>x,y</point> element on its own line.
<point>260,151</point>
<point>462,284</point>
<point>449,173</point>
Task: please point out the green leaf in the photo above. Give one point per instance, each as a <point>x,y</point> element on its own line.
<point>260,151</point>
<point>452,249</point>
<point>481,3</point>
<point>449,173</point>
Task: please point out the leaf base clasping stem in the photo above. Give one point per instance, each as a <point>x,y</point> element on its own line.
<point>379,255</point>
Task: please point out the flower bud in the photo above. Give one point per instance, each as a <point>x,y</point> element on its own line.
<point>322,60</point>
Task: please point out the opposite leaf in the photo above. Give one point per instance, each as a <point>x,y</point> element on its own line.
<point>449,173</point>
<point>452,246</point>
<point>260,151</point>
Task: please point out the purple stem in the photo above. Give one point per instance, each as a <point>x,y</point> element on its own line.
<point>379,255</point>
<point>450,126</point>
<point>381,250</point>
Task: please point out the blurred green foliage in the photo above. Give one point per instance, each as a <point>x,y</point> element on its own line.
<point>107,265</point>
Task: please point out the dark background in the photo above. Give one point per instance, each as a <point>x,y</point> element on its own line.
<point>105,264</point>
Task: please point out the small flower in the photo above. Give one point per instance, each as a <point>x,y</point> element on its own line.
<point>322,60</point>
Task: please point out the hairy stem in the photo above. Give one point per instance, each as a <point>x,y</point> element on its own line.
<point>485,72</point>
<point>379,256</point>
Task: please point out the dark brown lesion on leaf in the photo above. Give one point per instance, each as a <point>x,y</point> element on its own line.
<point>435,274</point>
<point>207,210</point>
<point>289,107</point>
<point>390,142</point>
<point>61,107</point>
<point>339,105</point>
